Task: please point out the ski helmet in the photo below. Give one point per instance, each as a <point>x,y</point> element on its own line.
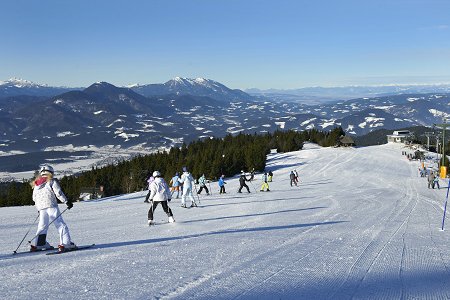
<point>46,169</point>
<point>156,174</point>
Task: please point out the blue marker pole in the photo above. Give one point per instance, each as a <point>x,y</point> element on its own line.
<point>445,206</point>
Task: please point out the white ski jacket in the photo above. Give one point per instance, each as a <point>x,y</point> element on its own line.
<point>47,194</point>
<point>186,180</point>
<point>159,190</point>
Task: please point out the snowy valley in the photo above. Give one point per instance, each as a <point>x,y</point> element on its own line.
<point>104,121</point>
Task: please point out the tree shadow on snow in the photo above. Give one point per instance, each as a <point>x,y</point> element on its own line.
<point>283,166</point>
<point>212,233</point>
<point>253,215</point>
<point>256,201</point>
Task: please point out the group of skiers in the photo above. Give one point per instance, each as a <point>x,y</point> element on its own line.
<point>294,177</point>
<point>47,192</point>
<point>431,175</point>
<point>432,178</point>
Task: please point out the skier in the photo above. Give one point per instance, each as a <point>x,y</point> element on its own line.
<point>264,185</point>
<point>242,180</point>
<point>46,193</point>
<point>222,184</point>
<point>296,176</point>
<point>436,182</point>
<point>270,176</point>
<point>431,178</point>
<point>159,193</point>
<point>188,181</point>
<point>149,181</point>
<point>202,183</point>
<point>292,177</point>
<point>175,185</point>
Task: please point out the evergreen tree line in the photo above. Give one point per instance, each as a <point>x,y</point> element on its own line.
<point>212,157</point>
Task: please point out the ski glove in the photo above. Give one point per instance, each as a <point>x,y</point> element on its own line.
<point>169,199</point>
<point>69,204</point>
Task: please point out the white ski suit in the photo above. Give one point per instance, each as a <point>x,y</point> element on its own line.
<point>46,193</point>
<point>188,181</point>
<point>160,193</point>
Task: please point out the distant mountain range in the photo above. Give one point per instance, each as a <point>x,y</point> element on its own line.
<point>20,87</point>
<point>317,95</point>
<point>182,110</point>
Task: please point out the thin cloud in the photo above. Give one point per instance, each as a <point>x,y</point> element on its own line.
<point>437,27</point>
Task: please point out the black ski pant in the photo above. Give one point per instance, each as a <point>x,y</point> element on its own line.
<point>201,189</point>
<point>243,185</point>
<point>222,189</point>
<point>165,206</point>
<point>148,195</point>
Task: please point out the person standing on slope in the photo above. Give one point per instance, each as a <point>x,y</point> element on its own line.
<point>431,177</point>
<point>149,181</point>
<point>175,185</point>
<point>222,184</point>
<point>242,180</point>
<point>269,178</point>
<point>436,182</point>
<point>159,193</point>
<point>188,182</point>
<point>296,176</point>
<point>202,183</point>
<point>264,185</point>
<point>292,178</point>
<point>46,193</point>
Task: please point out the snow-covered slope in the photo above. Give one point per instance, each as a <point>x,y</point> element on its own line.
<point>362,225</point>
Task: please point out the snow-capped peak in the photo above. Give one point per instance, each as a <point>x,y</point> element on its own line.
<point>21,83</point>
<point>192,82</point>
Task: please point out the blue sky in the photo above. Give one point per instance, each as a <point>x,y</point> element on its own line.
<point>243,44</point>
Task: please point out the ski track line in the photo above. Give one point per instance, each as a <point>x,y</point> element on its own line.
<point>436,245</point>
<point>334,165</point>
<point>358,265</point>
<point>408,259</point>
<point>195,282</point>
<point>291,239</point>
<point>189,285</point>
<point>262,282</point>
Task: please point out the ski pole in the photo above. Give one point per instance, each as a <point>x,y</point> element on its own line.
<point>251,183</point>
<point>15,251</point>
<point>198,197</point>
<point>445,206</point>
<point>48,225</point>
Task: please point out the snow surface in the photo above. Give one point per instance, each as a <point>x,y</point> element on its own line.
<point>361,225</point>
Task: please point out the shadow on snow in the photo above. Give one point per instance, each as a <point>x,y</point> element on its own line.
<point>212,233</point>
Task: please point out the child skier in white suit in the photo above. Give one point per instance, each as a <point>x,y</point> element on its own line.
<point>46,193</point>
<point>159,193</point>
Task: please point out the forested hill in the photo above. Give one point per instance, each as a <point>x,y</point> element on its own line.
<point>212,157</point>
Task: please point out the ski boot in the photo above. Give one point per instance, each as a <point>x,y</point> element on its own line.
<point>46,246</point>
<point>67,247</point>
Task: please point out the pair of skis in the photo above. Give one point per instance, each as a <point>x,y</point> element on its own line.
<point>53,250</point>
